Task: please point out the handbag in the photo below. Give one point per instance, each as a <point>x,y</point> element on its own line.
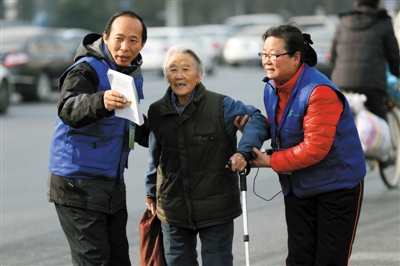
<point>151,244</point>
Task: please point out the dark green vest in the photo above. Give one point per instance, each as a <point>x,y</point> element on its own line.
<point>194,189</point>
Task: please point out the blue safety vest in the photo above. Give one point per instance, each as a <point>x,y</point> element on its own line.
<point>343,167</point>
<point>98,150</point>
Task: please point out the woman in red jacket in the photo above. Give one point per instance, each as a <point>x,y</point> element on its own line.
<point>317,151</point>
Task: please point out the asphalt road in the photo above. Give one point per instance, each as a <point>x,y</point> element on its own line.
<point>30,230</point>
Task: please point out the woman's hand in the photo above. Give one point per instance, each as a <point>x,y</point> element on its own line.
<point>240,124</point>
<point>263,160</point>
<point>151,204</point>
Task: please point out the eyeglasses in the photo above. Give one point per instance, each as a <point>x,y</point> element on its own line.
<point>272,57</point>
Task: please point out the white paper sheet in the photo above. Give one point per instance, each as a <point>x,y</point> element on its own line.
<point>125,85</point>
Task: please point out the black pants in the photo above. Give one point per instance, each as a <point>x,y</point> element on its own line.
<point>321,229</point>
<point>95,238</point>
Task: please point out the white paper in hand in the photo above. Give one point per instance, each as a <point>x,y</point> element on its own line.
<point>125,85</point>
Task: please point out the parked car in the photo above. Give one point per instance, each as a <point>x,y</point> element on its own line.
<point>305,22</point>
<point>36,56</point>
<point>214,37</point>
<point>235,24</point>
<point>160,39</point>
<point>243,47</point>
<point>73,37</point>
<point>322,40</point>
<point>6,88</point>
<point>6,23</point>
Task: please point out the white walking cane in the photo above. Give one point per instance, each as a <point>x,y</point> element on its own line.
<point>243,189</point>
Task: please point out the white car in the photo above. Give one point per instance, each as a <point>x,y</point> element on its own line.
<point>311,21</point>
<point>322,37</point>
<point>235,24</point>
<point>6,88</point>
<point>214,37</point>
<point>243,47</point>
<point>160,39</point>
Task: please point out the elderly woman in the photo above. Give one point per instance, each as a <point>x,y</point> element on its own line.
<point>192,137</point>
<point>316,151</point>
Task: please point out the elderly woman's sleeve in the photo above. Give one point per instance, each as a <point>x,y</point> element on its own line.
<point>150,177</point>
<point>256,129</point>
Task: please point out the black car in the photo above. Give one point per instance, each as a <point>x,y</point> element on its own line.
<point>6,88</point>
<point>36,56</point>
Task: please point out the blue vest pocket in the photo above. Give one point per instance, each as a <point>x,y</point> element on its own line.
<point>91,152</point>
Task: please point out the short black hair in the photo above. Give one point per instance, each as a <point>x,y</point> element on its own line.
<point>128,13</point>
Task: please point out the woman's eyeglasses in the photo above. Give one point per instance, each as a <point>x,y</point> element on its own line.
<point>272,57</point>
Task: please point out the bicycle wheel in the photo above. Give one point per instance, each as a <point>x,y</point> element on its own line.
<point>391,174</point>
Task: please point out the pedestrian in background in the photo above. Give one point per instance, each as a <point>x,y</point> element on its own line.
<point>317,153</point>
<point>90,145</point>
<point>192,138</point>
<point>364,42</point>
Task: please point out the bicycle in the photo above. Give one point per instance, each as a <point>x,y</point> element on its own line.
<point>390,174</point>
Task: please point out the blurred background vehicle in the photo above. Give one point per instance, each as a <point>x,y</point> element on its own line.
<point>235,24</point>
<point>322,37</point>
<point>305,22</point>
<point>6,88</point>
<point>73,37</point>
<point>36,56</point>
<point>243,47</point>
<point>214,37</point>
<point>4,23</point>
<point>160,39</point>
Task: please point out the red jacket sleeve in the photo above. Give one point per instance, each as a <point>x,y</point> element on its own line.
<point>320,121</point>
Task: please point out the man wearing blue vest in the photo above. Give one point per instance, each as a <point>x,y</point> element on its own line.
<point>90,145</point>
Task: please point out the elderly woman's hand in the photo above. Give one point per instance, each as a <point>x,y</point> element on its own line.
<point>238,162</point>
<point>151,204</point>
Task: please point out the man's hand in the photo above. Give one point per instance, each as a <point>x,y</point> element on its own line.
<point>114,100</point>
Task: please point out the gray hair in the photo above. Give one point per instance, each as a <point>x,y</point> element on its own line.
<point>186,50</point>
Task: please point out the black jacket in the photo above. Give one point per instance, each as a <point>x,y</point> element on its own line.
<point>363,43</point>
<point>81,104</point>
<point>80,86</point>
<point>194,189</point>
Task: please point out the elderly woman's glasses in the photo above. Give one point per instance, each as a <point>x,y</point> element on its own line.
<point>272,57</point>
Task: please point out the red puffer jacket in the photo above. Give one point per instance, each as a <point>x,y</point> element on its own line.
<point>320,123</point>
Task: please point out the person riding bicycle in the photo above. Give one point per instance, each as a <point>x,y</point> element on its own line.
<point>364,42</point>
